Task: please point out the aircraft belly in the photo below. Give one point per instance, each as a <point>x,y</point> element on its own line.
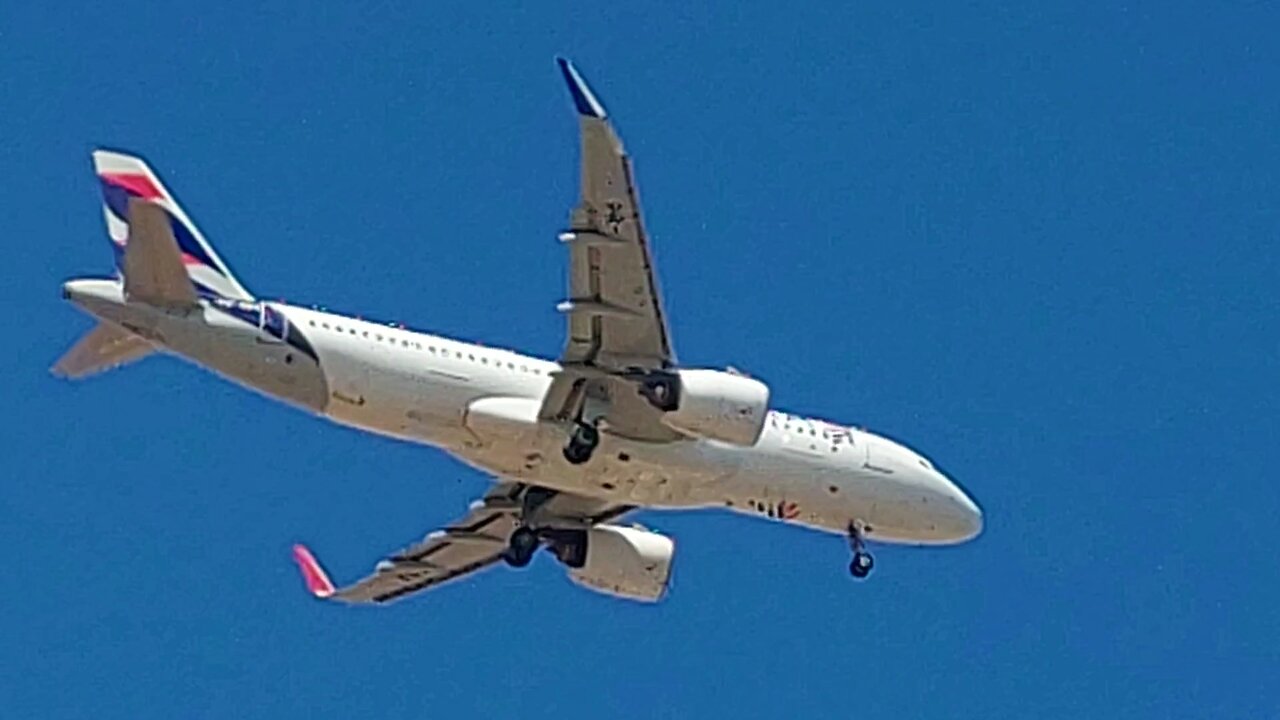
<point>661,475</point>
<point>369,395</point>
<point>235,351</point>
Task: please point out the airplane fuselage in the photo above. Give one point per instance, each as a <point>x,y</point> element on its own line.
<point>428,389</point>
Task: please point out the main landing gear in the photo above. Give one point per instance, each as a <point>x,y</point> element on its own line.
<point>862,562</point>
<point>569,546</point>
<point>582,443</point>
<point>523,544</point>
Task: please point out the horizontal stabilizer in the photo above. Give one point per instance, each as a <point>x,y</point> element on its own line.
<point>103,348</point>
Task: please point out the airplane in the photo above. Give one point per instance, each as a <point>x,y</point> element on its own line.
<point>612,426</point>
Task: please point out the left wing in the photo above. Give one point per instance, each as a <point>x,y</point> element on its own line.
<point>473,543</point>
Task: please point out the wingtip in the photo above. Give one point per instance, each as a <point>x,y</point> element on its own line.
<point>584,100</point>
<point>313,575</point>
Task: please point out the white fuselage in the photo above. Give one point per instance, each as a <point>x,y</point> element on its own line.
<point>422,388</point>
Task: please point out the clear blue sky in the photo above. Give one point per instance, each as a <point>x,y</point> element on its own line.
<point>1038,244</point>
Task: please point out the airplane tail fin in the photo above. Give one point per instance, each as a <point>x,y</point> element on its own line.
<point>101,349</point>
<point>126,179</point>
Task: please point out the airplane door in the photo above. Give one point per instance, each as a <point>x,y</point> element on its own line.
<point>851,443</point>
<point>273,323</point>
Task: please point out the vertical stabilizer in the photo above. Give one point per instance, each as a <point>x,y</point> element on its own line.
<point>127,178</point>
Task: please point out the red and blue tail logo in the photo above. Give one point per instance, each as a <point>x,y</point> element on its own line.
<point>124,176</point>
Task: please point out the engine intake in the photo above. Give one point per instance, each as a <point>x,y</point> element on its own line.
<point>625,562</point>
<point>711,404</point>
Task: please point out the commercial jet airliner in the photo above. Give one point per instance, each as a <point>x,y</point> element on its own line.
<point>614,425</point>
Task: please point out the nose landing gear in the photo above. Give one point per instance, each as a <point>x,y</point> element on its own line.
<point>862,562</point>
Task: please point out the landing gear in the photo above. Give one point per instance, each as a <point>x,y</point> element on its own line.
<point>862,560</point>
<point>582,443</point>
<point>861,565</point>
<point>523,544</point>
<point>569,547</point>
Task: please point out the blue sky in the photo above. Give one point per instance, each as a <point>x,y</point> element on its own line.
<point>1038,244</point>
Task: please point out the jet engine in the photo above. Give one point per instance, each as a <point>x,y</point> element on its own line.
<point>625,562</point>
<point>710,404</point>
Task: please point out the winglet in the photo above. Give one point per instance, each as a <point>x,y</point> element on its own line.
<point>312,574</point>
<point>583,99</point>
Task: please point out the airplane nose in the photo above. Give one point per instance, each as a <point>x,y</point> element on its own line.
<point>968,514</point>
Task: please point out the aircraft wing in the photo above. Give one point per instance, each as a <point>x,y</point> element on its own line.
<point>473,543</point>
<point>615,321</point>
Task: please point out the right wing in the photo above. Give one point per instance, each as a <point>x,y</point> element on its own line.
<point>614,307</point>
<point>473,543</point>
<point>616,326</point>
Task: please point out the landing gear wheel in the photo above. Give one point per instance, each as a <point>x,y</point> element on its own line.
<point>582,443</point>
<point>861,565</point>
<point>569,547</point>
<point>862,560</point>
<point>523,544</point>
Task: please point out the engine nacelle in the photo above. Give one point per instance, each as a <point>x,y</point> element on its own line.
<point>626,562</point>
<point>713,404</point>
